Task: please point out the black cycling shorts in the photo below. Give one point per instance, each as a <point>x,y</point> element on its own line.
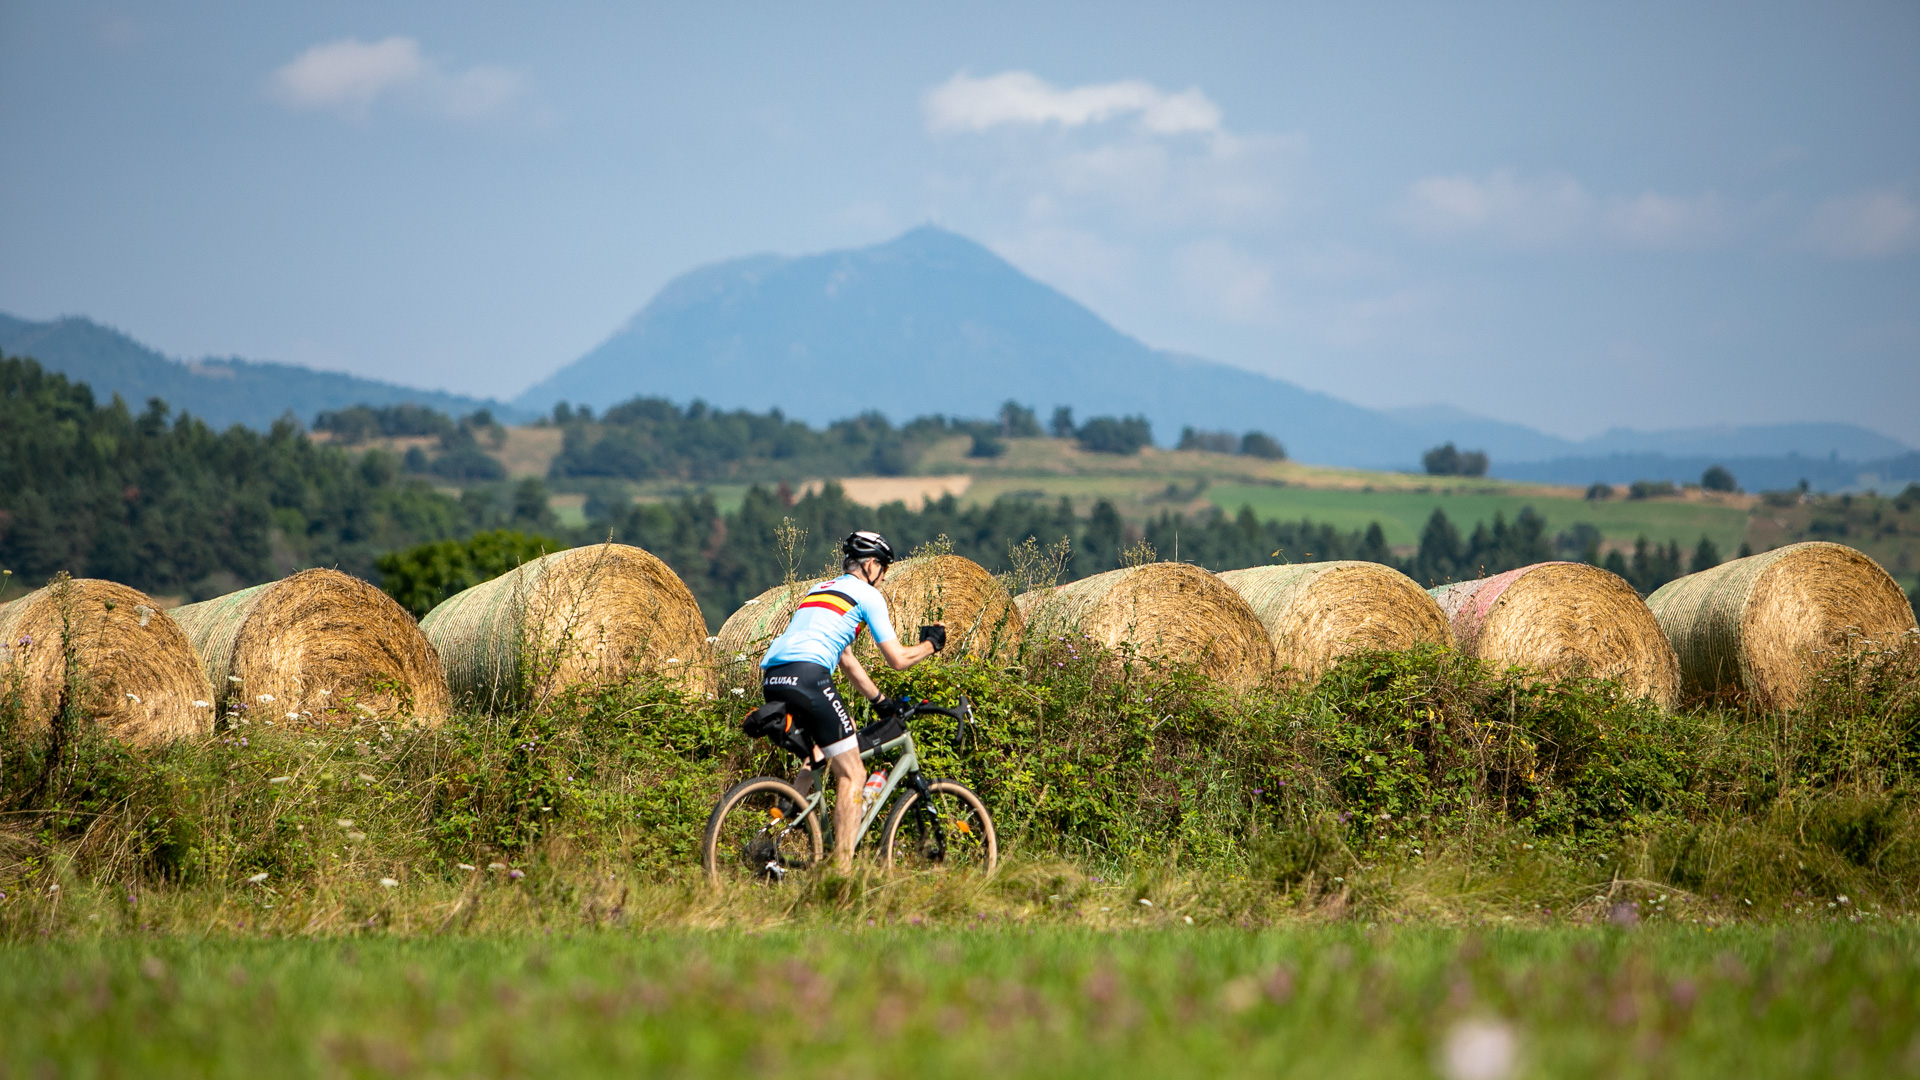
<point>807,689</point>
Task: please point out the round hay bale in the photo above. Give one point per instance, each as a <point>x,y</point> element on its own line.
<point>1175,613</point>
<point>1764,625</point>
<point>588,616</point>
<point>1564,619</point>
<point>1316,613</point>
<point>137,674</point>
<point>980,617</point>
<point>321,645</point>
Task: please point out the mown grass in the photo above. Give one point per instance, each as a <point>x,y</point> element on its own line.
<point>1344,1001</point>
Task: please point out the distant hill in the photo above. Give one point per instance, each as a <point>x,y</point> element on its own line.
<point>221,392</point>
<point>933,322</point>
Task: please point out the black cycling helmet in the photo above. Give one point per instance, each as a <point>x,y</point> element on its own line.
<point>866,545</point>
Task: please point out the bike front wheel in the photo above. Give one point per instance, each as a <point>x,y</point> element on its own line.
<point>950,830</point>
<point>752,835</point>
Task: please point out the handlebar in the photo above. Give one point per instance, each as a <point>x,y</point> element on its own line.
<point>961,716</point>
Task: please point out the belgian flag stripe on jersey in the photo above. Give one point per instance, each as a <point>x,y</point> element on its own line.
<point>838,603</point>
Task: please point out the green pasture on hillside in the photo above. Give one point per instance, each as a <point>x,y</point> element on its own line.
<point>1826,1000</point>
<point>1402,514</point>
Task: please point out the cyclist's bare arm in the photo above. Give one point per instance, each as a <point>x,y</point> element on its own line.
<point>899,657</point>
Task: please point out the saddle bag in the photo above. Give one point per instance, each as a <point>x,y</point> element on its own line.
<point>774,723</point>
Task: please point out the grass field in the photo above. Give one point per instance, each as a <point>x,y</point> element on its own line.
<point>1827,1000</point>
<point>1402,513</point>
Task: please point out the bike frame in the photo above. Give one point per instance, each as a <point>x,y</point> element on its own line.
<point>907,766</point>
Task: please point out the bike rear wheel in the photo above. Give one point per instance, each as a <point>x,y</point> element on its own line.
<point>751,835</point>
<point>950,831</point>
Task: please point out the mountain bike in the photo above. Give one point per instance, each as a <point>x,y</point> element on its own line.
<point>766,828</point>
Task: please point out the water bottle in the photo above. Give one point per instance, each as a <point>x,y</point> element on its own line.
<point>874,783</point>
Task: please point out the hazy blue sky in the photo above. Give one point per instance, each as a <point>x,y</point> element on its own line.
<point>1648,215</point>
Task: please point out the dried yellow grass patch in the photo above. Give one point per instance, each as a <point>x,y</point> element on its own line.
<point>1563,619</point>
<point>317,645</point>
<point>1765,625</point>
<point>596,615</point>
<point>1316,613</point>
<point>136,673</point>
<point>1175,613</point>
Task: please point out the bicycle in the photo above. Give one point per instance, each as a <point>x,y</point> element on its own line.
<point>765,828</point>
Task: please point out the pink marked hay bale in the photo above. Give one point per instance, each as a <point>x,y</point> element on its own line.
<point>1316,613</point>
<point>1175,613</point>
<point>1765,625</point>
<point>588,616</point>
<point>1563,619</point>
<point>136,673</point>
<point>322,646</point>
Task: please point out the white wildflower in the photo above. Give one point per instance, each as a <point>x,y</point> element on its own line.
<point>738,692</point>
<point>466,866</point>
<point>1478,1050</point>
<point>388,883</point>
<point>673,659</point>
<point>266,699</point>
<point>293,716</point>
<point>257,878</point>
<point>356,837</point>
<point>326,693</point>
<point>1144,902</point>
<point>279,779</point>
<point>203,705</point>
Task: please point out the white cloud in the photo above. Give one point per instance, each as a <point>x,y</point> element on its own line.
<point>1866,225</point>
<point>964,103</point>
<point>1558,211</point>
<point>350,76</point>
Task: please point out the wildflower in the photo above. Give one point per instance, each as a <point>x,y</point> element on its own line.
<point>1144,902</point>
<point>1478,1050</point>
<point>203,705</point>
<point>673,659</point>
<point>1843,900</point>
<point>265,699</point>
<point>293,716</point>
<point>326,693</point>
<point>279,779</point>
<point>26,640</point>
<point>356,837</point>
<point>516,874</point>
<point>1189,919</point>
<point>388,883</point>
<point>257,878</point>
<point>739,692</point>
<point>465,866</point>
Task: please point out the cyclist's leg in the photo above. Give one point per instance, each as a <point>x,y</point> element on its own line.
<point>809,693</point>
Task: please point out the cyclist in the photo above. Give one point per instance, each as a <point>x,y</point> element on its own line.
<point>798,668</point>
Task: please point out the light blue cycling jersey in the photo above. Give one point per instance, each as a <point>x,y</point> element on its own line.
<point>827,620</point>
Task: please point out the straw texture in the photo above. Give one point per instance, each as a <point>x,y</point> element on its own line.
<point>588,616</point>
<point>1764,625</point>
<point>138,676</point>
<point>980,617</point>
<point>322,645</point>
<point>1175,613</point>
<point>1563,619</point>
<point>1316,613</point>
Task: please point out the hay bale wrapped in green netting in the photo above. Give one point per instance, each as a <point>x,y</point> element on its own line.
<point>980,617</point>
<point>1564,619</point>
<point>589,616</point>
<point>1764,625</point>
<point>133,669</point>
<point>320,646</point>
<point>1316,613</point>
<point>1175,613</point>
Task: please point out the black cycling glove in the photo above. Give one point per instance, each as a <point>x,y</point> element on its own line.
<point>936,634</point>
<point>886,708</point>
